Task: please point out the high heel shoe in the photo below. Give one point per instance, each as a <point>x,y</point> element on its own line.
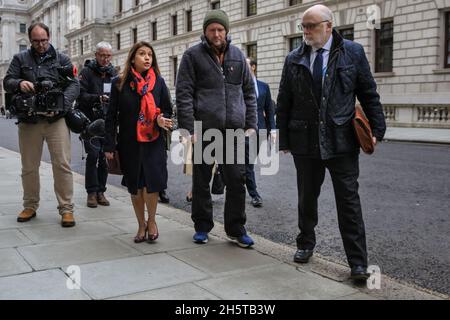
<point>139,239</point>
<point>189,197</point>
<point>154,236</point>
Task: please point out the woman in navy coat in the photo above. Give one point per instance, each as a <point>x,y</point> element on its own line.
<point>139,112</point>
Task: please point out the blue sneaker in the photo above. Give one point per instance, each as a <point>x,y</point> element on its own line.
<point>243,241</point>
<point>201,237</point>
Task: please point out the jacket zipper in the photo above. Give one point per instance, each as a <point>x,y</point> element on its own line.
<point>222,72</point>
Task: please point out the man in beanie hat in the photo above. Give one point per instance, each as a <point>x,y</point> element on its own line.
<point>218,16</point>
<point>214,85</point>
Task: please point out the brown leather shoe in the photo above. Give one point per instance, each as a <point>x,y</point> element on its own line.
<point>26,215</point>
<point>67,220</point>
<point>101,200</point>
<point>92,200</point>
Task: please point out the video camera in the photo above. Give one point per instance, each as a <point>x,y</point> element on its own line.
<point>99,109</point>
<point>48,98</point>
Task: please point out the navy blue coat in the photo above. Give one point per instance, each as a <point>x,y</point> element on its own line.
<point>312,129</point>
<point>122,117</point>
<point>266,112</point>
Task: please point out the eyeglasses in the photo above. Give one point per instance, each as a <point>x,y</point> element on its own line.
<point>104,56</point>
<point>311,26</point>
<point>37,42</point>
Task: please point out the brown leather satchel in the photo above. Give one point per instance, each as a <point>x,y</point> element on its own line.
<point>114,164</point>
<point>363,131</point>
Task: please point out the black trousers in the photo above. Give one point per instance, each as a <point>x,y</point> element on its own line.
<point>344,173</point>
<point>96,172</point>
<point>234,178</point>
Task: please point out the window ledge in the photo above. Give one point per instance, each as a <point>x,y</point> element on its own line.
<point>442,71</point>
<point>383,74</point>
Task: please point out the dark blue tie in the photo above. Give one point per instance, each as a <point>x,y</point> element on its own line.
<point>317,75</point>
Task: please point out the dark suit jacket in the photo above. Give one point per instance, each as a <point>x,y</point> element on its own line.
<point>266,112</point>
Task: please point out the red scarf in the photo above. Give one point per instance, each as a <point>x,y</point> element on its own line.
<point>147,128</point>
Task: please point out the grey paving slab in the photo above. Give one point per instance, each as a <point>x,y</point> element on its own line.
<point>11,208</point>
<point>12,239</point>
<point>46,208</point>
<point>9,180</point>
<point>11,198</point>
<point>67,253</point>
<point>168,241</point>
<point>131,275</point>
<point>14,194</point>
<point>11,188</point>
<point>166,209</point>
<point>44,285</point>
<point>187,291</point>
<point>117,210</point>
<point>9,171</point>
<point>79,189</point>
<point>50,233</point>
<point>10,221</point>
<point>274,283</point>
<point>130,226</point>
<point>12,263</point>
<point>223,258</point>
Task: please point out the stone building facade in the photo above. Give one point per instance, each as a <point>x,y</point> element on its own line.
<point>406,41</point>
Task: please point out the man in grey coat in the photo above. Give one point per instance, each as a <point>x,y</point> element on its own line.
<point>214,86</point>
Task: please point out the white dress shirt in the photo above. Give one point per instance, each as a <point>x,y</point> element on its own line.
<point>256,86</point>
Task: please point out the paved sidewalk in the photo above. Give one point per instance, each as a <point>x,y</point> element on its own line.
<point>425,135</point>
<point>35,256</point>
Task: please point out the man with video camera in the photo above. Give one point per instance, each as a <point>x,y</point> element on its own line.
<point>43,84</point>
<point>95,87</point>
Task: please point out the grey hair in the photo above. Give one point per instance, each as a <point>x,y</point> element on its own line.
<point>103,45</point>
<point>324,11</point>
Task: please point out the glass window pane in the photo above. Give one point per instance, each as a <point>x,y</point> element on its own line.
<point>215,5</point>
<point>347,33</point>
<point>384,47</point>
<point>295,42</point>
<point>252,51</point>
<point>251,7</point>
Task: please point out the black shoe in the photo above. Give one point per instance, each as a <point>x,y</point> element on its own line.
<point>256,202</point>
<point>359,273</point>
<point>302,256</point>
<point>163,197</point>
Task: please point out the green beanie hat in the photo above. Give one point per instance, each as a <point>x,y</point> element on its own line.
<point>216,16</point>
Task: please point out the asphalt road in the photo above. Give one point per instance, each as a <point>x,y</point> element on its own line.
<point>405,194</point>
